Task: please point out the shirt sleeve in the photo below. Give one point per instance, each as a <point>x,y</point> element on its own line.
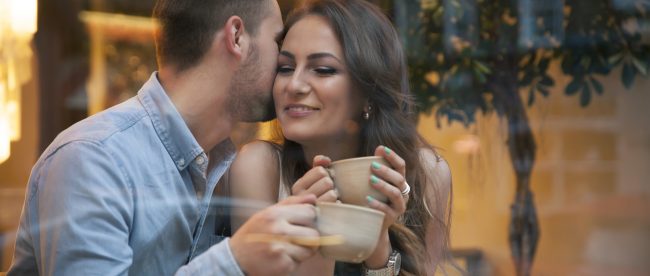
<point>81,213</point>
<point>218,260</point>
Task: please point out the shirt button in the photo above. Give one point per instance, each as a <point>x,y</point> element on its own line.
<point>200,160</point>
<point>181,162</point>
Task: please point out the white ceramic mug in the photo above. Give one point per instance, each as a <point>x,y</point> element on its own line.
<point>352,179</point>
<point>359,227</point>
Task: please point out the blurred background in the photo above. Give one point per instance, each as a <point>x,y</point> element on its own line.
<point>542,109</point>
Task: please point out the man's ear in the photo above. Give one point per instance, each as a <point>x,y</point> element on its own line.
<point>235,36</point>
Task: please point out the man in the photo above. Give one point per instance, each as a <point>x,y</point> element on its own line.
<point>127,191</point>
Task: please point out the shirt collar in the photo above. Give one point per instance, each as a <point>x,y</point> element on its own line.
<point>168,123</point>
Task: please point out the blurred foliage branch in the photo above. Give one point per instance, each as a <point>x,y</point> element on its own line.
<point>479,56</point>
<point>453,72</point>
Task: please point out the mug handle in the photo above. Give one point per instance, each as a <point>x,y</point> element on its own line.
<point>316,218</point>
<point>332,173</point>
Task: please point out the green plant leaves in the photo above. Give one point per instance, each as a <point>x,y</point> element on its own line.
<point>580,85</point>
<point>640,66</point>
<point>573,87</point>
<point>585,96</point>
<point>594,45</point>
<point>597,86</point>
<point>627,77</point>
<point>547,81</point>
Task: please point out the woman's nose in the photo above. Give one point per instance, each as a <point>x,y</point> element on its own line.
<point>298,85</point>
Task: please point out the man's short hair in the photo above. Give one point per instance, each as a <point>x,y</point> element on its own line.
<point>187,27</point>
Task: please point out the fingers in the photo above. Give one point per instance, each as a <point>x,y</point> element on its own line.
<point>393,159</point>
<point>292,221</point>
<point>391,176</point>
<point>329,196</point>
<point>390,182</point>
<point>276,257</point>
<point>317,181</point>
<point>299,199</point>
<point>397,203</point>
<point>296,214</point>
<point>306,181</point>
<point>391,214</point>
<point>321,160</point>
<point>296,253</point>
<point>321,187</point>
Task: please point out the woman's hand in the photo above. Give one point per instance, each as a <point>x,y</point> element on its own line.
<point>390,182</point>
<point>317,181</point>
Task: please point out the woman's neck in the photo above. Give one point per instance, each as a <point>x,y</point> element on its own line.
<point>335,149</point>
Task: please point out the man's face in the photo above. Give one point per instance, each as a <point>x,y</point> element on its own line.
<point>251,96</point>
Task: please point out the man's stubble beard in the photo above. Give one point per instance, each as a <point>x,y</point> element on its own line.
<point>247,101</point>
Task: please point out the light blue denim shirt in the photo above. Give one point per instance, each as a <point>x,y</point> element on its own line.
<point>126,191</point>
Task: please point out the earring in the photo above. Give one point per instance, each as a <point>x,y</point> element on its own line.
<point>366,114</point>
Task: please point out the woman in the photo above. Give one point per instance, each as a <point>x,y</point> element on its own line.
<point>341,91</point>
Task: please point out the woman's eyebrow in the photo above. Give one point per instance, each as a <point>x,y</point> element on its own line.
<point>311,56</point>
<point>287,54</point>
<point>322,55</point>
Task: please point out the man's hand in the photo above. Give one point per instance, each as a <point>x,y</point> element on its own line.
<point>294,216</point>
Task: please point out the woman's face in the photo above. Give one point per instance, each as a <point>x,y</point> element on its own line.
<point>315,98</point>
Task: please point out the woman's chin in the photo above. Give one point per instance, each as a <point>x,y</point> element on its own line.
<point>300,137</point>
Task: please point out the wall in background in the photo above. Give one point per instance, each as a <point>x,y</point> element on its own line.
<point>590,183</point>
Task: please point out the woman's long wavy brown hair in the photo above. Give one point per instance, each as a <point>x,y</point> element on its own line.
<point>375,59</point>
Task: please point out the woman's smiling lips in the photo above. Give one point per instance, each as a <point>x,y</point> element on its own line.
<point>299,110</point>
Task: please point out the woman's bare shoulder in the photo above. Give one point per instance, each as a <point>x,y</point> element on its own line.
<point>258,152</point>
<point>259,156</point>
<point>436,165</point>
<point>254,177</point>
<point>259,147</point>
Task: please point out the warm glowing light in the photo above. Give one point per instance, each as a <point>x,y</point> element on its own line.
<point>467,144</point>
<point>12,101</point>
<point>5,143</point>
<point>18,20</point>
<point>433,78</point>
<point>23,16</point>
<point>13,114</point>
<point>4,126</point>
<point>101,26</point>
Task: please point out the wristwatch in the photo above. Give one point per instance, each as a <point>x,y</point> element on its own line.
<point>392,267</point>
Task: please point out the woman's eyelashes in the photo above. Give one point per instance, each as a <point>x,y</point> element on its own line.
<point>284,69</point>
<point>320,70</point>
<point>325,71</point>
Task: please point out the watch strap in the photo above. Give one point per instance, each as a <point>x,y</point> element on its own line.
<point>391,269</point>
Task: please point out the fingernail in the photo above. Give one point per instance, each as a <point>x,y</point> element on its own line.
<point>370,199</point>
<point>387,150</point>
<point>374,179</point>
<point>376,165</point>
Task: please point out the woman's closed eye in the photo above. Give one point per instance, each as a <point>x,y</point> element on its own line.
<point>284,69</point>
<point>325,71</point>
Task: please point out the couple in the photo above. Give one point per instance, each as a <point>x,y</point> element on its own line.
<point>132,190</point>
